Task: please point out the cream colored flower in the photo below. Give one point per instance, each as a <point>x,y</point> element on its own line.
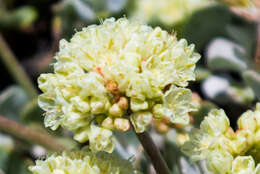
<point>117,68</point>
<point>237,3</point>
<point>82,162</point>
<point>226,151</point>
<point>168,12</point>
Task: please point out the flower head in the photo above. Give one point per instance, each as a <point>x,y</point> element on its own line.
<point>237,3</point>
<point>167,12</point>
<point>226,151</point>
<point>82,161</point>
<point>114,69</point>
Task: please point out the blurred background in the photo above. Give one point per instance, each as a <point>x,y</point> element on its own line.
<point>226,33</point>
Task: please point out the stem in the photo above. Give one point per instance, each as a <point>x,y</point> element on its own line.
<point>19,131</point>
<point>152,151</point>
<point>16,69</point>
<point>257,54</point>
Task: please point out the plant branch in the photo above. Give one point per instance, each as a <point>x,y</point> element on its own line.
<point>152,151</point>
<point>19,131</point>
<point>16,69</point>
<point>257,54</point>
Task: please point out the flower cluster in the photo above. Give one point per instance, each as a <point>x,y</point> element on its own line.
<point>226,151</point>
<point>82,161</point>
<point>167,12</point>
<point>110,71</point>
<point>237,3</point>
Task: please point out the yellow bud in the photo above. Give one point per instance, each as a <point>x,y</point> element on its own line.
<point>161,126</point>
<point>182,138</point>
<point>122,124</point>
<point>247,121</point>
<point>81,105</point>
<point>116,111</point>
<point>158,111</point>
<point>243,165</point>
<point>123,103</point>
<point>81,135</point>
<point>137,105</point>
<point>141,120</point>
<point>98,106</point>
<point>108,123</point>
<point>220,162</point>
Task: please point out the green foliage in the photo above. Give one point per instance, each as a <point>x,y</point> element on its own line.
<point>12,101</point>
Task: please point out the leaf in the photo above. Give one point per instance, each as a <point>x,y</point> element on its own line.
<point>17,164</point>
<point>6,147</point>
<point>31,112</point>
<point>76,14</point>
<point>223,54</point>
<point>243,34</point>
<point>207,24</point>
<point>225,90</point>
<point>12,100</point>
<point>252,78</point>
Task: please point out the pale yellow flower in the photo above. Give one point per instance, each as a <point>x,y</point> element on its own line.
<point>167,12</point>
<point>82,162</point>
<point>226,151</point>
<point>237,3</point>
<point>114,69</point>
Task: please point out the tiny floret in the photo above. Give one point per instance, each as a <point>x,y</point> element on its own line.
<point>113,70</point>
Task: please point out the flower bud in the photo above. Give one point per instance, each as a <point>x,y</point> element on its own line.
<point>161,126</point>
<point>216,123</point>
<point>220,162</point>
<point>108,123</point>
<point>81,135</point>
<point>123,103</point>
<point>243,165</point>
<point>247,121</point>
<point>112,87</point>
<point>98,106</point>
<point>141,121</point>
<point>116,111</point>
<point>122,124</point>
<point>137,105</point>
<point>81,105</point>
<point>182,138</point>
<point>158,111</point>
<point>100,139</point>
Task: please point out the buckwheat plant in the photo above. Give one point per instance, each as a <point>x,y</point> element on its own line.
<point>116,71</point>
<point>82,161</point>
<point>226,151</point>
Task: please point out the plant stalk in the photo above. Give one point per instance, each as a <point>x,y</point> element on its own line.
<point>257,54</point>
<point>19,131</point>
<point>16,69</point>
<point>154,154</point>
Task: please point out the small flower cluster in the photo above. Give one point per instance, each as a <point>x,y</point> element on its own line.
<point>82,161</point>
<point>226,151</point>
<point>168,12</point>
<point>110,71</point>
<point>237,3</point>
<point>164,125</point>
